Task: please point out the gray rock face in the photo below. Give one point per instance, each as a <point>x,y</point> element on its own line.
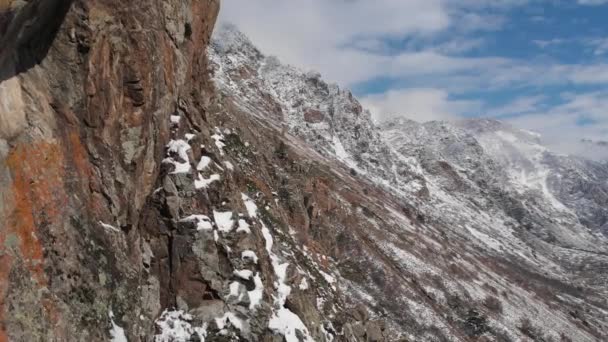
<point>581,185</point>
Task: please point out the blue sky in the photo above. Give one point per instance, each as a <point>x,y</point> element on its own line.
<point>541,65</point>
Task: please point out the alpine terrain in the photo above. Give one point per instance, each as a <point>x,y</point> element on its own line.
<point>164,180</point>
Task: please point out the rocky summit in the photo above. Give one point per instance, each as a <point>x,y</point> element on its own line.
<point>161,179</point>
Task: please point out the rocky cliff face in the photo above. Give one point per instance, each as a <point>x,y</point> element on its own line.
<point>86,92</point>
<point>143,200</point>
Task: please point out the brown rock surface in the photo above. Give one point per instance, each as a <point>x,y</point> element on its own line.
<point>86,91</point>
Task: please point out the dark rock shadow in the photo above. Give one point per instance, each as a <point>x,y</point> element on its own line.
<point>27,34</point>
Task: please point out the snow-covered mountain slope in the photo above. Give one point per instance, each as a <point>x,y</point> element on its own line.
<point>326,117</point>
<point>467,172</point>
<point>568,183</point>
<point>455,232</point>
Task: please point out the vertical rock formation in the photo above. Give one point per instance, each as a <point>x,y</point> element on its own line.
<point>86,92</point>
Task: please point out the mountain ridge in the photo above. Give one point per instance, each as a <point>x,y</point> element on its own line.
<point>429,165</point>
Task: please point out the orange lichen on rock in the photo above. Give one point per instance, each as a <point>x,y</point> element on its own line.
<point>79,155</point>
<point>39,198</point>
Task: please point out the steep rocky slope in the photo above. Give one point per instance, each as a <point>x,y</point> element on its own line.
<point>468,236</point>
<point>568,182</point>
<point>143,201</point>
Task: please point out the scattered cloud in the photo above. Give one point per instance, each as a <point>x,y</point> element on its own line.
<point>424,55</point>
<point>592,2</point>
<point>586,74</point>
<point>538,18</point>
<point>420,104</point>
<point>458,46</point>
<point>518,107</point>
<point>313,33</point>
<point>546,43</point>
<point>564,126</point>
<point>599,45</point>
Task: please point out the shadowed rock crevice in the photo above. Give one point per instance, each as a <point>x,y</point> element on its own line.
<point>27,33</point>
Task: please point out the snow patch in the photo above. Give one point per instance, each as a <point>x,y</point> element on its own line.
<point>175,119</point>
<point>235,290</point>
<point>181,148</point>
<point>249,255</point>
<point>109,227</point>
<point>283,320</point>
<point>486,239</point>
<point>229,165</point>
<point>203,163</point>
<point>243,274</point>
<point>304,284</point>
<point>203,183</point>
<point>287,323</point>
<point>229,319</point>
<point>219,141</point>
<point>256,295</point>
<point>117,334</point>
<point>243,227</point>
<point>223,220</point>
<point>175,326</point>
<point>328,278</point>
<point>250,205</point>
<point>202,222</point>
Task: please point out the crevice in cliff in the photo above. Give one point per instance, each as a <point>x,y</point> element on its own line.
<point>29,35</point>
<point>171,257</point>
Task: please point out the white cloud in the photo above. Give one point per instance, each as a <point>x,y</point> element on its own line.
<point>587,74</point>
<point>420,104</point>
<point>312,33</point>
<point>592,2</point>
<point>599,45</point>
<point>354,41</point>
<point>346,40</point>
<point>546,43</point>
<point>517,107</point>
<point>459,45</point>
<point>560,125</point>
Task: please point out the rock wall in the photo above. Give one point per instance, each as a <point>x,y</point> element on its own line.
<point>86,92</point>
